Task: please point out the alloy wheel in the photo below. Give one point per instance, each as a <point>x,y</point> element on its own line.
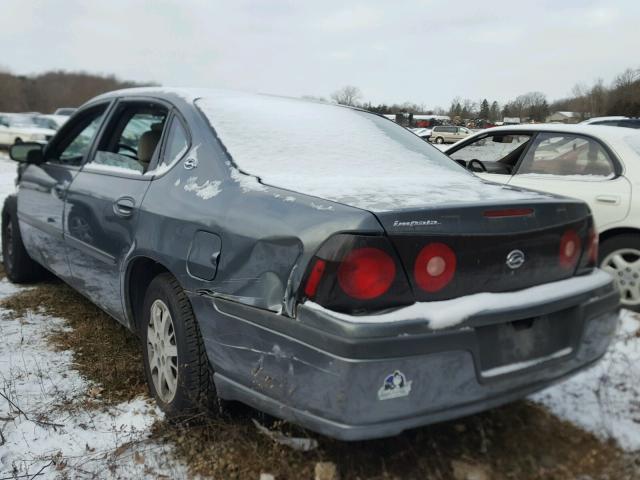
<point>624,266</point>
<point>162,351</point>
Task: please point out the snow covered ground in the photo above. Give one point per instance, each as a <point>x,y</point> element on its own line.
<point>605,399</point>
<point>46,428</point>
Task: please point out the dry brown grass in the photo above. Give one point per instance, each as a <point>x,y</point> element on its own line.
<point>104,351</point>
<point>521,441</point>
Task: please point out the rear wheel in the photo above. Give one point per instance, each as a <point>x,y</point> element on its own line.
<point>18,265</point>
<point>620,256</point>
<point>440,140</point>
<point>176,364</point>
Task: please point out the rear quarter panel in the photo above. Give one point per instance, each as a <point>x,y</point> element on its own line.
<point>267,234</point>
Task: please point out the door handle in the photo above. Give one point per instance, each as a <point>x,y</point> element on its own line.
<point>124,207</point>
<point>608,199</point>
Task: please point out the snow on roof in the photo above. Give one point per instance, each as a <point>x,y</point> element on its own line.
<point>348,156</point>
<point>567,114</point>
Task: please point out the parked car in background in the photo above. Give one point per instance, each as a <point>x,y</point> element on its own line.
<point>597,164</point>
<point>52,122</point>
<point>448,134</point>
<point>423,133</point>
<point>67,112</point>
<point>629,122</point>
<point>15,128</point>
<point>268,262</point>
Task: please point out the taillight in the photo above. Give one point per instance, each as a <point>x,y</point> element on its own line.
<point>366,273</point>
<point>569,249</point>
<point>356,274</point>
<point>435,267</point>
<point>311,286</point>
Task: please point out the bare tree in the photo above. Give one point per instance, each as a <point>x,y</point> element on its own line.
<point>348,95</point>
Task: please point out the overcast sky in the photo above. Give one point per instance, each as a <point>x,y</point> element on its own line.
<point>418,50</point>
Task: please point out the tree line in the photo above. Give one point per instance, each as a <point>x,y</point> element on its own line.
<point>50,90</point>
<point>621,97</point>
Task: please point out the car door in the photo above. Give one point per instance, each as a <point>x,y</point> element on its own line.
<point>43,189</point>
<point>102,202</point>
<point>498,152</point>
<point>576,166</point>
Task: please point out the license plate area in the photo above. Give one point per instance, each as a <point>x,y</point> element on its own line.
<point>520,344</point>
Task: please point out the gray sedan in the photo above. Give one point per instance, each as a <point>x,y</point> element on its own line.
<point>314,261</point>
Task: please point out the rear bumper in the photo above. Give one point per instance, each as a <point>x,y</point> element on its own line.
<point>329,375</point>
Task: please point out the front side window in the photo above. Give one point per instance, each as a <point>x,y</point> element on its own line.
<point>131,139</point>
<point>566,154</point>
<point>75,145</point>
<point>494,148</point>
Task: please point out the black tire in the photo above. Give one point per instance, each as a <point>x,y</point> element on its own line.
<point>629,247</point>
<point>18,265</point>
<point>439,140</point>
<point>195,390</point>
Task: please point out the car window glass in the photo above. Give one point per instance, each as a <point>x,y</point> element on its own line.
<point>494,148</point>
<point>566,154</point>
<point>131,139</point>
<point>177,143</point>
<point>73,148</point>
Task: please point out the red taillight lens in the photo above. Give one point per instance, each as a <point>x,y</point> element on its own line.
<point>311,287</point>
<point>435,267</point>
<point>569,249</point>
<point>366,273</point>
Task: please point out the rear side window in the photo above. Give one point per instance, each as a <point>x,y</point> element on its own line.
<point>177,143</point>
<point>131,139</point>
<point>567,154</point>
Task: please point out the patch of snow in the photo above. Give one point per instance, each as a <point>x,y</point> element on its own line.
<point>248,183</point>
<point>605,399</point>
<point>318,206</point>
<point>349,156</point>
<point>35,382</point>
<point>208,189</point>
<point>448,313</point>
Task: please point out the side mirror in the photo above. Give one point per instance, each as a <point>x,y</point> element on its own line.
<point>27,152</point>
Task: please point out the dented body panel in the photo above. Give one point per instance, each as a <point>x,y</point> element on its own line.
<point>240,248</point>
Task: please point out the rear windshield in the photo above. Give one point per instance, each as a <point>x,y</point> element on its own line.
<point>271,136</point>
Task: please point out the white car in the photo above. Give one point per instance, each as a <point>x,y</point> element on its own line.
<point>597,164</point>
<point>21,128</point>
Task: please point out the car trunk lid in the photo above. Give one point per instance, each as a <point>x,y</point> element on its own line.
<point>497,248</point>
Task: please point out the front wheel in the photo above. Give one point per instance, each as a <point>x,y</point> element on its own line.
<point>439,140</point>
<point>176,364</point>
<point>620,256</point>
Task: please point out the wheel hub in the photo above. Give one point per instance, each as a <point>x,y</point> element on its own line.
<point>162,351</point>
<point>624,266</point>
